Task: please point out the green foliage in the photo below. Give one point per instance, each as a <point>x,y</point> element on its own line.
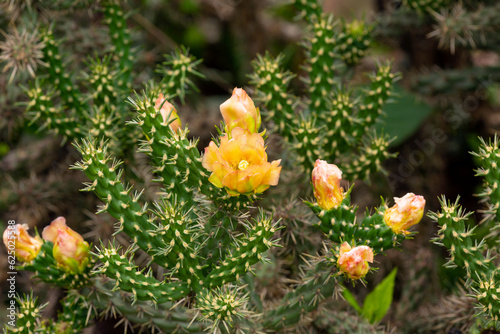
<point>378,301</point>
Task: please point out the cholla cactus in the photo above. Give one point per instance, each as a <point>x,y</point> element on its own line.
<point>200,232</point>
<point>468,252</point>
<point>329,123</point>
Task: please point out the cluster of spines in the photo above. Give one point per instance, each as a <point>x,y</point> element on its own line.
<point>120,37</point>
<point>340,225</point>
<point>29,314</point>
<point>177,70</point>
<point>353,41</point>
<point>469,253</point>
<point>142,286</point>
<point>41,106</point>
<point>73,317</point>
<point>271,83</point>
<point>246,251</point>
<point>221,305</point>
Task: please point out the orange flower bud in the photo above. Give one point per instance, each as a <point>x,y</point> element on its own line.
<point>407,212</point>
<point>240,164</point>
<point>70,250</point>
<point>26,247</point>
<point>354,261</point>
<point>326,183</point>
<point>168,112</point>
<point>239,111</point>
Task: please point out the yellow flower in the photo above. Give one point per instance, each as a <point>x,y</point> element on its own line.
<point>70,250</point>
<point>240,163</point>
<point>26,247</point>
<point>168,112</point>
<point>354,261</point>
<point>239,111</point>
<point>407,212</point>
<point>326,183</point>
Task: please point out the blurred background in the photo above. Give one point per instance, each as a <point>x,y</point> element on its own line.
<point>448,96</point>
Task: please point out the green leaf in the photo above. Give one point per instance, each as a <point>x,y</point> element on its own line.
<point>405,114</point>
<point>378,301</point>
<point>348,296</point>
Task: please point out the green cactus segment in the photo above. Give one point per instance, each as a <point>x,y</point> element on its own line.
<point>340,130</point>
<point>465,251</point>
<point>427,6</point>
<point>271,84</point>
<point>340,225</point>
<point>47,270</point>
<point>221,305</point>
<point>308,9</point>
<point>317,285</point>
<point>120,37</point>
<point>73,317</point>
<point>246,252</point>
<point>468,253</point>
<point>106,183</point>
<point>177,159</point>
<point>219,232</point>
<point>40,105</point>
<point>373,153</point>
<point>102,79</point>
<point>143,286</point>
<point>59,75</point>
<point>165,317</point>
<point>181,236</point>
<point>28,316</point>
<point>487,291</point>
<point>488,158</point>
<point>321,64</point>
<point>353,41</point>
<point>380,90</point>
<point>177,70</point>
<point>307,144</point>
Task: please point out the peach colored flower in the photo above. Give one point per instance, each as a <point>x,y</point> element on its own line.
<point>239,111</point>
<point>70,250</point>
<point>168,112</point>
<point>354,261</point>
<point>26,247</point>
<point>407,212</point>
<point>326,183</point>
<point>240,163</point>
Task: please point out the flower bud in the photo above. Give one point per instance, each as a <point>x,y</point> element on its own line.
<point>407,212</point>
<point>167,109</point>
<point>354,261</point>
<point>70,250</point>
<point>326,183</point>
<point>26,247</point>
<point>239,111</point>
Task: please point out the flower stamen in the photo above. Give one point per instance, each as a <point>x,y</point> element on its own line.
<point>243,165</point>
